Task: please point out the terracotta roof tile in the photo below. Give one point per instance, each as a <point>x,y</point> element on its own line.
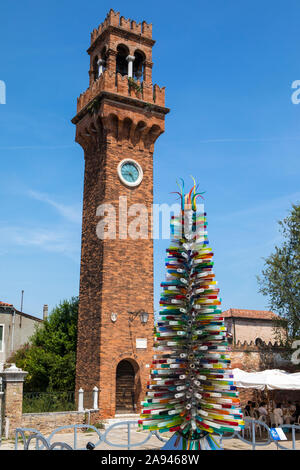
<point>255,314</point>
<point>5,304</point>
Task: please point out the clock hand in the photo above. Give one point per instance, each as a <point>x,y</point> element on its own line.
<point>127,174</point>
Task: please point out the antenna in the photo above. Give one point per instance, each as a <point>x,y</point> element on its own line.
<point>22,296</point>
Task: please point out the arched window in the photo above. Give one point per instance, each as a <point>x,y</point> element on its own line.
<point>258,342</point>
<point>102,62</point>
<point>99,63</point>
<point>138,65</point>
<point>121,62</point>
<point>95,68</point>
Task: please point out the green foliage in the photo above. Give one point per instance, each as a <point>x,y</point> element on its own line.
<point>50,357</point>
<point>133,84</point>
<point>98,425</point>
<point>94,106</point>
<point>281,276</point>
<point>43,402</point>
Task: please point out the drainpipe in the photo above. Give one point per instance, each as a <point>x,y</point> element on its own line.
<point>13,329</point>
<point>234,337</point>
<point>22,297</point>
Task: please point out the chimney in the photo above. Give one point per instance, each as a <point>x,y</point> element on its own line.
<point>45,312</point>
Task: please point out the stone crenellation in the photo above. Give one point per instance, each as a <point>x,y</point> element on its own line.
<point>116,83</point>
<point>255,347</point>
<point>113,19</point>
<point>121,67</point>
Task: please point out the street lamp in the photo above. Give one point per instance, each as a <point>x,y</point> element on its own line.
<point>144,316</point>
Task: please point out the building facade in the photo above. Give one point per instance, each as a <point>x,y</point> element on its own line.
<point>255,347</point>
<point>248,326</point>
<point>119,117</point>
<point>15,330</point>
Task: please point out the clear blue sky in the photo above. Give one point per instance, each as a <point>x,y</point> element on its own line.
<point>227,66</point>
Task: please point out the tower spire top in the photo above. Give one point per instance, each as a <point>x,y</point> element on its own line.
<point>121,66</point>
<point>113,20</point>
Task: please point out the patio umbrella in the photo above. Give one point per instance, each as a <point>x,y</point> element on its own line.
<point>271,379</point>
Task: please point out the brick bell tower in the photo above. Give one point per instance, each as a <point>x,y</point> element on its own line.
<point>119,117</point>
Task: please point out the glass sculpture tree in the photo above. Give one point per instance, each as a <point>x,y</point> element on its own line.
<point>191,389</point>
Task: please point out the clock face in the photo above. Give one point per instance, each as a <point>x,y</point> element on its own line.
<point>130,172</point>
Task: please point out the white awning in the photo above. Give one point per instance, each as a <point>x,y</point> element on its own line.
<point>272,379</point>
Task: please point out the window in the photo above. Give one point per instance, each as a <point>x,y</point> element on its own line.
<point>1,338</point>
<point>121,62</point>
<point>96,68</point>
<point>138,65</point>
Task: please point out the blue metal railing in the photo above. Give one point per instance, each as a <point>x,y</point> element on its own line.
<point>252,425</point>
<point>43,443</point>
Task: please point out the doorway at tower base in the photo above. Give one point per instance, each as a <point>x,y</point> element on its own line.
<point>128,387</point>
<point>125,394</point>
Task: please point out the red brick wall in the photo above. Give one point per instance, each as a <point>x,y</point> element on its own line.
<point>252,358</point>
<point>116,275</point>
<point>13,405</point>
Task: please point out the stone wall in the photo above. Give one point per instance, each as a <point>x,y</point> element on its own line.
<point>47,422</point>
<point>249,329</point>
<point>14,417</point>
<point>13,405</point>
<point>253,358</point>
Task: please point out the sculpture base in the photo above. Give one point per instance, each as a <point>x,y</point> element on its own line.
<point>179,442</point>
